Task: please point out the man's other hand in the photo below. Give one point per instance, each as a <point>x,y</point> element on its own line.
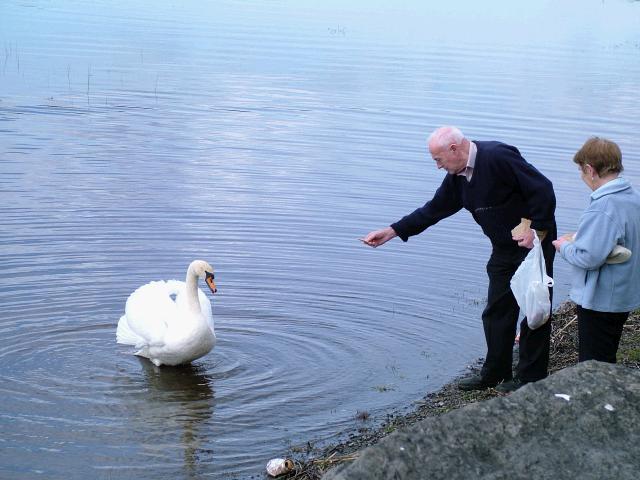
<point>525,239</point>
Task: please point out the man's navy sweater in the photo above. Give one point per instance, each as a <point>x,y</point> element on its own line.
<point>503,189</point>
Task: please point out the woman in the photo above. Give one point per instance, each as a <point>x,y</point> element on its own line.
<point>604,292</point>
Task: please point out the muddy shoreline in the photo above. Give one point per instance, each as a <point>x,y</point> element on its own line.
<point>311,462</point>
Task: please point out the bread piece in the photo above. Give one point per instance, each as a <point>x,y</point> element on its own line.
<point>522,227</point>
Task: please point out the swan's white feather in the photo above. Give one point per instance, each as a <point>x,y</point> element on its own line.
<point>126,336</point>
<point>148,312</point>
<point>160,324</point>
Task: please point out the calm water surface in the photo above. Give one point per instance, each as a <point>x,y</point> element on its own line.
<point>265,138</point>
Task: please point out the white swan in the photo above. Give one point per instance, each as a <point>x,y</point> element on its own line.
<point>170,323</point>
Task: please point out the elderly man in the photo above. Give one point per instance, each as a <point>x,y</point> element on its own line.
<point>497,185</point>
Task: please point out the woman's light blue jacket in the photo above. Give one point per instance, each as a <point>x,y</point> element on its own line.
<point>612,218</point>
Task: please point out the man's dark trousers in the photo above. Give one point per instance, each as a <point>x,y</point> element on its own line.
<point>500,318</point>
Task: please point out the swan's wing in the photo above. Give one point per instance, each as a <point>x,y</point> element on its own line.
<point>126,336</point>
<point>149,310</point>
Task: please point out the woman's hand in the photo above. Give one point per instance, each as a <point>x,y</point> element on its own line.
<point>567,237</point>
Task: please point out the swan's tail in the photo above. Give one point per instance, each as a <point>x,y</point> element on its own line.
<point>125,335</point>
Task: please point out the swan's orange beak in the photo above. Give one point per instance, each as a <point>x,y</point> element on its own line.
<point>209,280</point>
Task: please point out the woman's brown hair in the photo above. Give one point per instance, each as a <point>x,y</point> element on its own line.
<point>602,154</point>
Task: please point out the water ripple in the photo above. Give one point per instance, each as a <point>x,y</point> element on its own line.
<point>267,140</point>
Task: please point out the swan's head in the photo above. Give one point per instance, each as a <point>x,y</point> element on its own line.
<point>203,270</point>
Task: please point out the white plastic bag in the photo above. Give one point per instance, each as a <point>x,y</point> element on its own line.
<point>530,287</point>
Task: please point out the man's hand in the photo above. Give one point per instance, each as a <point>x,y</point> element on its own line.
<point>525,239</point>
<point>379,237</point>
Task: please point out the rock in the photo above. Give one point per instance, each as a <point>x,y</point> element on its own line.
<point>532,433</point>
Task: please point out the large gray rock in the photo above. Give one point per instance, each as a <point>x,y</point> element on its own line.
<point>532,433</point>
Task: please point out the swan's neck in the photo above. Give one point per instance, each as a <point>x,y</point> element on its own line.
<point>193,302</point>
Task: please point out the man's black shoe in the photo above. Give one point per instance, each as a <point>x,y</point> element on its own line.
<point>510,386</point>
<point>476,382</point>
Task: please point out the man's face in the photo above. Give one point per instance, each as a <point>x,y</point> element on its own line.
<point>449,157</point>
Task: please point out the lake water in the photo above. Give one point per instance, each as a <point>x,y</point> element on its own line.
<point>265,137</point>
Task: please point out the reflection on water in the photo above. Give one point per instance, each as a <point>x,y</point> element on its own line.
<point>265,137</point>
<point>186,397</point>
<point>184,383</point>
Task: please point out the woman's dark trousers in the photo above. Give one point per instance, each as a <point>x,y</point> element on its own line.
<point>599,334</point>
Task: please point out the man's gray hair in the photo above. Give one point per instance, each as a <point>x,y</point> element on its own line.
<point>445,136</point>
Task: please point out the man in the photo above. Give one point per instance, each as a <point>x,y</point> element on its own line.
<point>497,185</point>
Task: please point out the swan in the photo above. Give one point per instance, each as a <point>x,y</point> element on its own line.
<point>170,322</point>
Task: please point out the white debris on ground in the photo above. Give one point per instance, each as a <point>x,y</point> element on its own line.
<point>279,466</point>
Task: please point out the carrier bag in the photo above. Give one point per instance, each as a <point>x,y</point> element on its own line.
<point>530,286</point>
